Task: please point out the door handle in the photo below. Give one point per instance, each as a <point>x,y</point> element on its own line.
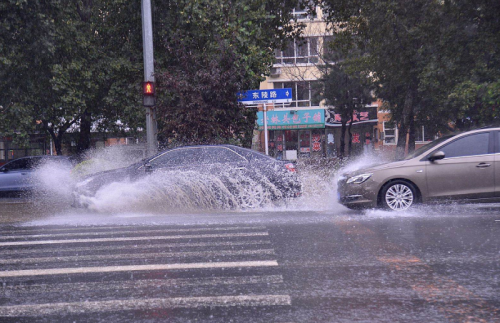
<point>483,165</point>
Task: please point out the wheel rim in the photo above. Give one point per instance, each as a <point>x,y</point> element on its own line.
<point>399,197</point>
<point>251,196</point>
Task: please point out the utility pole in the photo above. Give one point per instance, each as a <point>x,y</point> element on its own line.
<point>149,79</point>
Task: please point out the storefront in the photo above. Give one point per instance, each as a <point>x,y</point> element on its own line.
<point>294,133</point>
<point>363,129</point>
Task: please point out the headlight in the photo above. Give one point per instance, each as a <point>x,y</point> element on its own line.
<point>358,179</point>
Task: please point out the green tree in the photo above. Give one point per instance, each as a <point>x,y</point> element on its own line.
<point>395,36</point>
<point>213,49</point>
<point>78,64</point>
<point>68,64</point>
<point>435,63</point>
<point>346,88</point>
<point>464,74</point>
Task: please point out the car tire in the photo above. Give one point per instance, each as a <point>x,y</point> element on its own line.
<point>398,195</point>
<point>251,195</point>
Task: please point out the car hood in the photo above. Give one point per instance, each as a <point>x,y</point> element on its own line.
<point>376,168</point>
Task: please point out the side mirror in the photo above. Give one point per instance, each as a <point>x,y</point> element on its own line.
<point>148,168</point>
<point>436,155</point>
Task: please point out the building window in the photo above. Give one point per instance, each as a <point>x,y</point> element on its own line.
<point>329,55</point>
<point>389,133</point>
<point>300,12</point>
<point>421,135</point>
<point>303,93</point>
<point>304,51</point>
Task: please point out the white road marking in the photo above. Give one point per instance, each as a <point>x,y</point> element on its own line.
<point>157,284</point>
<point>144,304</point>
<point>51,250</point>
<point>200,236</point>
<point>148,256</point>
<point>138,231</point>
<point>107,269</point>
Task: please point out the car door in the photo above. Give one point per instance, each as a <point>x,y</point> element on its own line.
<point>15,176</point>
<point>466,172</point>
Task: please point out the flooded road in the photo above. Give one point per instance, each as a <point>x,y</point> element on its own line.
<point>306,259</point>
<point>276,264</point>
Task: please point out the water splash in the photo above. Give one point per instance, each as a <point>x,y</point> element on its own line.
<point>175,191</point>
<point>166,192</point>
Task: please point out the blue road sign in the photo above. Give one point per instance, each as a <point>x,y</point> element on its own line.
<point>265,96</point>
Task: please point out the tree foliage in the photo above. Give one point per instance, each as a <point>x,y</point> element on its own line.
<point>213,49</point>
<point>66,64</point>
<point>345,87</point>
<point>78,65</point>
<point>434,62</point>
<point>198,103</point>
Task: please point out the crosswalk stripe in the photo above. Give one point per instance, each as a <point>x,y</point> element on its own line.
<point>18,252</point>
<point>144,304</point>
<point>107,269</point>
<point>216,253</point>
<point>16,290</point>
<point>138,231</point>
<point>200,236</point>
<point>93,228</point>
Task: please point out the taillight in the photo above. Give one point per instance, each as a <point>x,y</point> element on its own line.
<point>291,167</point>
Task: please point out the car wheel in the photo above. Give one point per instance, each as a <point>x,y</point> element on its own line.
<point>399,195</point>
<point>251,195</point>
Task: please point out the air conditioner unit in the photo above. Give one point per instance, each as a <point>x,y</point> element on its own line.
<point>275,72</point>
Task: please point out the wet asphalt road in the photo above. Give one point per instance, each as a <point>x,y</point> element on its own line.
<point>434,264</point>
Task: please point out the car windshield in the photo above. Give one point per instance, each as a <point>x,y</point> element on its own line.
<point>429,146</point>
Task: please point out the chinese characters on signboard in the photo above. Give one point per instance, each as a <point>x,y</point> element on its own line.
<point>265,96</point>
<point>316,139</point>
<point>364,115</point>
<point>284,120</point>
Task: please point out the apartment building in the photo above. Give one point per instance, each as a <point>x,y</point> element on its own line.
<point>306,127</point>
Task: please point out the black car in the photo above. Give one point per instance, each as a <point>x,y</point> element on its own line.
<point>250,177</point>
<point>18,174</point>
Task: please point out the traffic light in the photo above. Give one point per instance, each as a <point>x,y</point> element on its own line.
<point>148,94</point>
<point>148,88</point>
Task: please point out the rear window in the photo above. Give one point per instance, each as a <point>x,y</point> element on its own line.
<point>253,155</point>
<point>23,163</point>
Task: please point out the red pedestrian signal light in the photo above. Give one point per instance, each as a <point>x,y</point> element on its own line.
<point>148,88</point>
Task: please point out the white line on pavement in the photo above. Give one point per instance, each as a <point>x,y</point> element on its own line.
<point>200,236</point>
<point>148,256</point>
<point>107,269</point>
<point>52,250</point>
<point>144,304</point>
<point>138,285</point>
<point>93,228</point>
<point>138,231</point>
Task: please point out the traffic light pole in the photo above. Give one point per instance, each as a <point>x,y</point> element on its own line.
<point>149,101</point>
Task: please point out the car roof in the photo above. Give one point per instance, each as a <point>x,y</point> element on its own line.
<point>452,137</point>
<point>248,153</point>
